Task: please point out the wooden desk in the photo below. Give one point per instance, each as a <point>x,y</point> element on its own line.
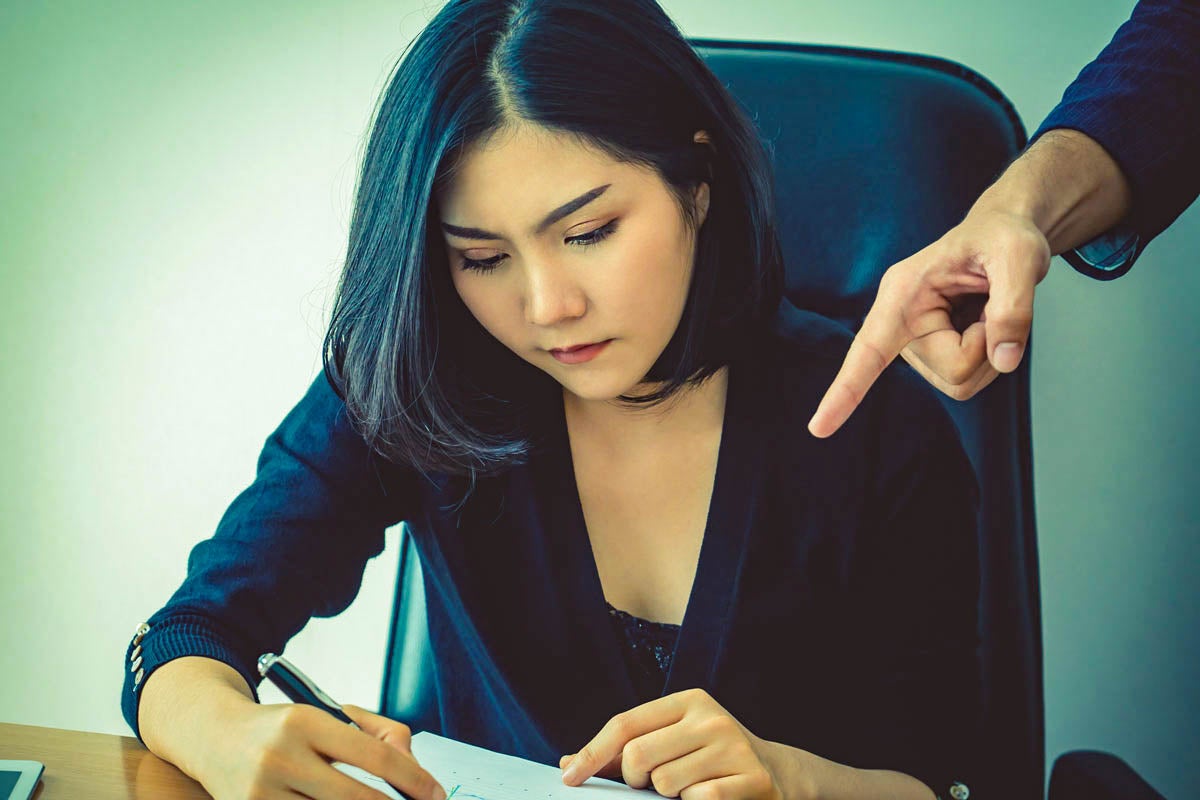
<point>97,766</point>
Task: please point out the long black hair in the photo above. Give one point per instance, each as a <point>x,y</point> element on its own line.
<point>423,382</point>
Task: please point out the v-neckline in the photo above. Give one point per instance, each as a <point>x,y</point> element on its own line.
<point>710,599</point>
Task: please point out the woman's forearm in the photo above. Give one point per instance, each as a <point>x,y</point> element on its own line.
<point>1066,184</point>
<point>180,702</point>
<point>805,776</point>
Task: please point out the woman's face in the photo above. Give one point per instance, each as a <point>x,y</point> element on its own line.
<point>552,244</point>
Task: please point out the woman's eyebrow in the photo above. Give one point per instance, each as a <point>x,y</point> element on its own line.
<point>570,207</point>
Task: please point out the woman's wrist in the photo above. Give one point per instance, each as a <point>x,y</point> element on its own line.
<point>183,705</point>
<point>797,772</point>
<point>1066,184</point>
<point>802,775</point>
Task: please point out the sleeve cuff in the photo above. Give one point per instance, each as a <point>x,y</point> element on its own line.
<point>155,643</point>
<point>1108,256</point>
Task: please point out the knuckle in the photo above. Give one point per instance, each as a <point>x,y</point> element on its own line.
<point>760,781</point>
<point>634,756</point>
<point>398,736</point>
<point>705,791</point>
<point>742,751</point>
<point>724,724</point>
<point>294,719</point>
<point>879,360</point>
<point>1029,243</point>
<point>1012,314</point>
<point>856,395</point>
<point>715,727</point>
<point>901,281</point>
<point>959,370</point>
<point>663,783</point>
<point>892,280</point>
<point>622,725</point>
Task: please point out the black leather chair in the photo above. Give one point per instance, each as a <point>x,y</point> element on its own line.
<point>876,155</point>
<point>1095,775</point>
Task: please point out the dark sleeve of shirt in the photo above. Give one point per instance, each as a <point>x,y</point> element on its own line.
<point>914,617</point>
<point>1140,100</point>
<point>293,545</point>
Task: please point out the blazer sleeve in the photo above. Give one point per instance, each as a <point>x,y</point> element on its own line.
<point>915,587</point>
<point>293,545</point>
<point>1140,100</point>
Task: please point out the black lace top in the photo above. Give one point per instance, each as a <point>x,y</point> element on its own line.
<point>647,652</point>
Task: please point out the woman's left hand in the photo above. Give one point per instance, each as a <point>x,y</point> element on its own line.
<point>684,745</point>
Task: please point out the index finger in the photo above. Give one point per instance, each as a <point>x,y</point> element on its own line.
<point>882,336</point>
<point>619,731</point>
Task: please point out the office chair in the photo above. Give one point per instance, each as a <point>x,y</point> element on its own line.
<point>876,154</point>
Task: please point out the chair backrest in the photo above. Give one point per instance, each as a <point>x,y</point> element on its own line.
<point>876,154</point>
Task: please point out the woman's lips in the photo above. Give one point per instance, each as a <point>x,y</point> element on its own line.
<point>580,354</point>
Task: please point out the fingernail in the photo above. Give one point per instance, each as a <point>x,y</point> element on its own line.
<point>572,772</point>
<point>439,793</point>
<point>1006,356</point>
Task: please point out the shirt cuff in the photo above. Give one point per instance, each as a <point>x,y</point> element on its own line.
<point>155,643</point>
<point>1108,256</point>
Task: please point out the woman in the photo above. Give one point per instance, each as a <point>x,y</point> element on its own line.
<point>558,352</point>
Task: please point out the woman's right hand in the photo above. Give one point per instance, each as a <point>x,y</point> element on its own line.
<point>284,751</point>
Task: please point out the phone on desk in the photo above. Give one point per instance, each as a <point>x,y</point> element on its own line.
<point>18,779</point>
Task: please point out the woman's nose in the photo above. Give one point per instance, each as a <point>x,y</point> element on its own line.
<point>552,295</point>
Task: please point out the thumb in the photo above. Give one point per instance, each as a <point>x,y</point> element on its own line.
<point>1012,274</point>
<point>1008,314</point>
<point>386,730</point>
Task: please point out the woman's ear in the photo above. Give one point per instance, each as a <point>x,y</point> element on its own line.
<point>701,194</point>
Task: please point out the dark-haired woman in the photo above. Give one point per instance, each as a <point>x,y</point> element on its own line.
<point>558,353</point>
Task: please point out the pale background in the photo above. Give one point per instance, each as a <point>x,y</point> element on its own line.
<point>176,184</point>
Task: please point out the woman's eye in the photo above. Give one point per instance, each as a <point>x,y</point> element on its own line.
<point>583,240</point>
<point>482,264</point>
<point>593,237</point>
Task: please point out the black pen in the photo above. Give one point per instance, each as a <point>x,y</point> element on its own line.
<point>297,686</point>
<point>300,689</point>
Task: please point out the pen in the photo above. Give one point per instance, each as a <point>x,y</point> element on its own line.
<point>297,686</point>
<point>300,689</point>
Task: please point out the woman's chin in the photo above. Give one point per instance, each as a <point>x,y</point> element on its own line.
<point>597,388</point>
<point>590,393</point>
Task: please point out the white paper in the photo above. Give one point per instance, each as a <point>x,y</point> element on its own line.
<point>467,772</point>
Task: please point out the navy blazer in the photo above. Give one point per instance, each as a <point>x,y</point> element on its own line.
<point>834,606</point>
<point>1140,99</point>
